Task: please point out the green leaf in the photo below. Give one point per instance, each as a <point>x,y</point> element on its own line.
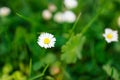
<point>72,49</point>
<point>111,71</point>
<point>49,58</point>
<point>37,65</point>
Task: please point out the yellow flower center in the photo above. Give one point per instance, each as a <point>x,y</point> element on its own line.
<point>46,40</point>
<point>109,36</point>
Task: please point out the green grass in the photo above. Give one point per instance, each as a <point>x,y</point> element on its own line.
<point>80,52</point>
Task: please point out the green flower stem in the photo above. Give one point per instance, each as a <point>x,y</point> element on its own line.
<point>23,17</point>
<point>94,18</point>
<point>91,22</point>
<point>76,21</point>
<point>88,25</point>
<point>112,72</point>
<point>42,74</point>
<point>26,18</point>
<point>30,66</point>
<point>3,19</point>
<point>72,30</point>
<point>38,76</point>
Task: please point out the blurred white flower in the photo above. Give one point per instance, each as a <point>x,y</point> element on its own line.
<point>58,17</point>
<point>52,7</point>
<point>110,35</point>
<point>70,4</point>
<point>69,16</point>
<point>4,11</point>
<point>118,21</point>
<point>46,14</point>
<point>46,40</point>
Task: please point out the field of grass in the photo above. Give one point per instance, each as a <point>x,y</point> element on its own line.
<point>80,48</point>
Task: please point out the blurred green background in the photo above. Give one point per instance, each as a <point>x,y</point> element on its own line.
<point>88,57</point>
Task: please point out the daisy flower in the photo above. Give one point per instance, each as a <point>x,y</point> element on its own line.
<point>4,11</point>
<point>110,35</point>
<point>70,4</point>
<point>46,14</point>
<point>46,40</point>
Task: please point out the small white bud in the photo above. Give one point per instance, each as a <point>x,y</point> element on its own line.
<point>70,4</point>
<point>52,7</point>
<point>69,16</point>
<point>4,11</point>
<point>58,17</point>
<point>46,14</point>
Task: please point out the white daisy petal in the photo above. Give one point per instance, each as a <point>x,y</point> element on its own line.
<point>46,40</point>
<point>108,30</point>
<point>104,35</point>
